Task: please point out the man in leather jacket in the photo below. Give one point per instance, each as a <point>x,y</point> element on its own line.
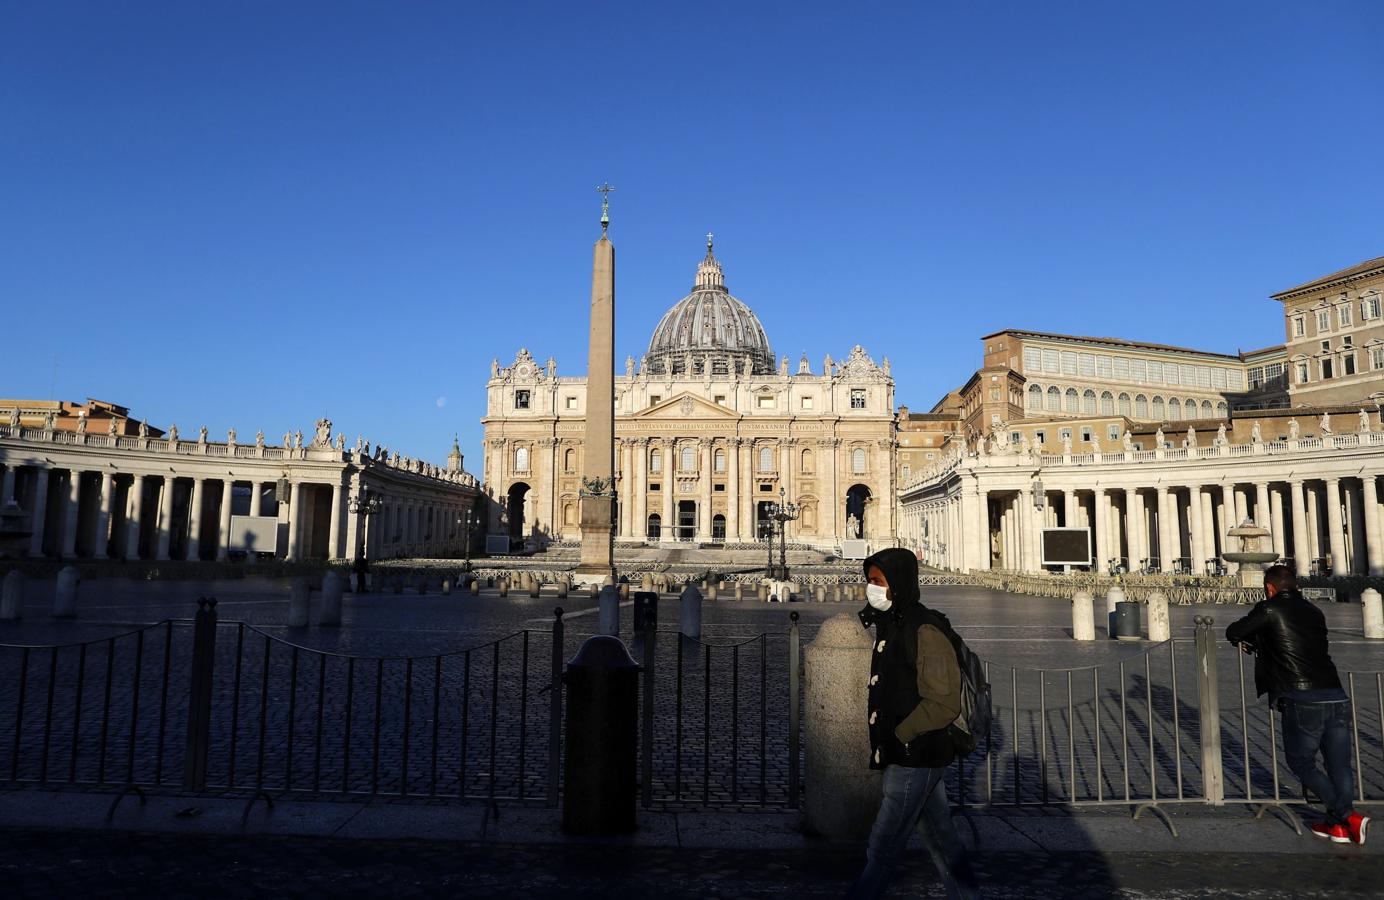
<point>1292,664</point>
<point>914,695</point>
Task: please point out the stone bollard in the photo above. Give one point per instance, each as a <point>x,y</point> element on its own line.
<point>446,587</point>
<point>739,591</point>
<point>12,596</point>
<point>836,592</point>
<point>690,612</point>
<point>535,588</point>
<point>845,792</point>
<point>65,595</point>
<point>763,592</point>
<point>1160,623</point>
<point>1083,616</point>
<point>298,603</point>
<point>820,593</point>
<point>711,591</point>
<point>332,585</point>
<point>608,610</point>
<point>504,587</point>
<point>475,587</point>
<point>624,590</point>
<point>646,583</point>
<point>1372,612</point>
<point>593,590</point>
<point>562,588</point>
<point>1113,596</point>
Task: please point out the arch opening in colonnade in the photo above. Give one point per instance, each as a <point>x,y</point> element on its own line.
<point>515,508</point>
<point>858,499</point>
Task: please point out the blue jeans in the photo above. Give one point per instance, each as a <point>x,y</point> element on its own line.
<point>1325,727</point>
<point>914,798</point>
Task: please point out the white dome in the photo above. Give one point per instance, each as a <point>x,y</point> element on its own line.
<point>709,326</point>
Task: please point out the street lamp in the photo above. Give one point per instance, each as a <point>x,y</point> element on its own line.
<point>364,504</point>
<point>782,512</point>
<point>466,524</point>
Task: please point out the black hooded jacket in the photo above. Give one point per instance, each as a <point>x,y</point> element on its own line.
<point>915,679</point>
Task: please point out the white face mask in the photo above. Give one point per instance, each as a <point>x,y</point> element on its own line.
<point>878,597</point>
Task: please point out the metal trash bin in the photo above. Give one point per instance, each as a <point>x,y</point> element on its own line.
<point>1126,621</point>
<point>601,730</point>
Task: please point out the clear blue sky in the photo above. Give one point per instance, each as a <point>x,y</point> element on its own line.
<point>248,214</point>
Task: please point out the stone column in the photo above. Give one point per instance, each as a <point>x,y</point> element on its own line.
<point>1276,521</point>
<point>1374,549</point>
<point>1302,552</point>
<point>1359,553</point>
<point>1314,524</point>
<point>1103,552</point>
<point>704,505</point>
<point>7,489</point>
<point>39,513</point>
<point>334,534</point>
<point>1032,530</point>
<point>295,520</point>
<point>194,521</point>
<point>1196,528</point>
<point>733,517</point>
<point>639,484</point>
<point>1134,527</point>
<point>670,486</point>
<point>629,489</point>
<point>70,514</point>
<point>165,520</point>
<point>1166,552</point>
<point>1069,504</point>
<point>135,517</point>
<point>103,517</point>
<point>223,525</point>
<point>1208,533</point>
<point>256,500</point>
<point>1335,531</point>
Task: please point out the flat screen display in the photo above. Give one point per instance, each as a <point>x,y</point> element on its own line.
<point>1066,547</point>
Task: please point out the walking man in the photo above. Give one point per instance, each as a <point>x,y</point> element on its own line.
<point>1288,637</point>
<point>915,694</point>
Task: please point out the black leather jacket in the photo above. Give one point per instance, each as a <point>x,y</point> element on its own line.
<point>1288,635</point>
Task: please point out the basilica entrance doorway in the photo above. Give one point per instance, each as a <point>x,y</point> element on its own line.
<point>518,494</point>
<point>687,520</point>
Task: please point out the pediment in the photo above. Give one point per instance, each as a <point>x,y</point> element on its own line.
<point>686,406</point>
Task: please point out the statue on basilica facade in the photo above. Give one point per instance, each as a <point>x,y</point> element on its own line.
<point>885,366</point>
<point>341,441</point>
<point>551,367</point>
<point>298,440</point>
<point>230,437</point>
<point>852,528</point>
<point>14,417</point>
<point>202,436</point>
<point>288,440</point>
<point>1255,434</point>
<point>1324,425</point>
<point>81,422</point>
<point>173,433</point>
<point>1127,442</point>
<point>111,427</point>
<point>259,439</point>
<point>1159,439</point>
<point>143,429</point>
<point>495,368</point>
<point>629,366</point>
<point>1221,439</point>
<point>783,365</point>
<point>1293,429</point>
<point>323,437</point>
<point>826,365</point>
<point>1364,422</point>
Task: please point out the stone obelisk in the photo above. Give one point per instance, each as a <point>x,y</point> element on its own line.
<point>598,450</point>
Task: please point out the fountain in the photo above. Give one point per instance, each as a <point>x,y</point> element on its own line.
<point>1252,559</point>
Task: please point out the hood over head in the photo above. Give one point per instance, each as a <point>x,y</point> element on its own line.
<point>900,568</point>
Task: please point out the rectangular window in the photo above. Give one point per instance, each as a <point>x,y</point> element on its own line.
<point>1113,432</point>
<point>1256,377</point>
<point>1302,373</point>
<point>654,486</point>
<point>1323,321</point>
<point>1104,369</point>
<point>1203,376</point>
<point>857,398</point>
<point>1369,308</point>
<point>1273,372</point>
<point>654,399</point>
<point>1327,370</point>
<point>571,402</point>
<point>807,403</point>
<point>521,399</point>
<point>1377,358</point>
<point>1040,436</point>
<point>1218,379</point>
<point>1033,359</point>
<point>1065,434</point>
<point>1068,363</point>
<point>929,455</point>
<point>1170,373</point>
<point>1142,371</point>
<point>720,399</point>
<point>905,473</point>
<point>1236,381</point>
<point>1348,364</point>
<point>1299,326</point>
<point>719,488</point>
<point>764,401</point>
<point>1343,315</point>
<point>1122,368</point>
<point>1347,341</point>
<point>1086,435</point>
<point>1326,346</point>
<point>1188,374</point>
<point>1015,437</point>
<point>1050,364</point>
<point>1088,365</point>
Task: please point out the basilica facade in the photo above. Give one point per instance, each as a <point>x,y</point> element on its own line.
<point>710,432</point>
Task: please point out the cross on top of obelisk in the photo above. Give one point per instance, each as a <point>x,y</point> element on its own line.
<point>605,190</point>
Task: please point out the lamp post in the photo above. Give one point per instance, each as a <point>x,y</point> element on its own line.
<point>782,513</point>
<point>364,504</point>
<point>466,525</point>
<point>767,529</point>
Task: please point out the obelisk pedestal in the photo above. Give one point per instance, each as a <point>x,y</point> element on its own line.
<point>598,452</point>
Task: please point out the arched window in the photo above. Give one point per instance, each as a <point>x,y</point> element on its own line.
<point>689,458</point>
<point>521,459</point>
<point>569,460</point>
<point>858,461</point>
<point>1035,397</point>
<point>1158,411</point>
<point>1107,403</point>
<point>655,460</point>
<point>1073,401</point>
<point>807,462</point>
<point>718,460</point>
<point>1088,402</point>
<point>1174,409</point>
<point>1125,409</point>
<point>1206,411</point>
<point>1222,410</point>
<point>766,459</point>
<point>1054,399</point>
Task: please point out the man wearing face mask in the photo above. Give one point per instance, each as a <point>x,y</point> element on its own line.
<point>914,695</point>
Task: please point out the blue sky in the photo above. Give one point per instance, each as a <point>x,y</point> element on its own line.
<point>250,214</point>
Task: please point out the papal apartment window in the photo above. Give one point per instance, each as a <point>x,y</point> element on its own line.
<point>1343,315</point>
<point>521,399</point>
<point>571,402</point>
<point>1323,321</point>
<point>1326,346</point>
<point>1369,308</point>
<point>1328,370</point>
<point>719,460</point>
<point>1299,326</point>
<point>1065,434</point>
<point>1376,358</point>
<point>689,458</point>
<point>766,459</point>
<point>1347,341</point>
<point>1040,437</point>
<point>1015,437</point>
<point>1113,432</point>
<point>1302,371</point>
<point>857,398</point>
<point>1086,435</point>
<point>1348,364</point>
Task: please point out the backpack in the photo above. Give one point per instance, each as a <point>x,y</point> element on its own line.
<point>973,721</point>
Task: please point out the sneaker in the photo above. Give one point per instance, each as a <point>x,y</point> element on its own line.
<point>1356,825</point>
<point>1335,833</point>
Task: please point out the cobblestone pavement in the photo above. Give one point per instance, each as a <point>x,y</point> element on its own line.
<point>36,864</point>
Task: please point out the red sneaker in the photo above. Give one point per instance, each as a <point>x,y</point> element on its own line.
<point>1335,833</point>
<point>1356,825</point>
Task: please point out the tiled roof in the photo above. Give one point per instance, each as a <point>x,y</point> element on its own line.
<point>1357,269</point>
<point>1121,342</point>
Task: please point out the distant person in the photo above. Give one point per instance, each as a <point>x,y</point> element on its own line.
<point>1287,635</point>
<point>914,695</point>
<point>361,568</point>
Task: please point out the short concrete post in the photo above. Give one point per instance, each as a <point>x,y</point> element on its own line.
<point>475,587</point>
<point>820,594</point>
<point>562,588</point>
<point>446,587</point>
<point>298,603</point>
<point>504,587</point>
<point>763,592</point>
<point>836,592</point>
<point>609,611</point>
<point>845,792</point>
<point>65,594</point>
<point>1083,616</point>
<point>593,590</point>
<point>1113,596</point>
<point>646,583</point>
<point>12,596</point>
<point>535,588</point>
<point>624,590</point>
<point>1160,622</point>
<point>1370,609</point>
<point>711,591</point>
<point>690,612</point>
<point>331,599</point>
<point>739,591</point>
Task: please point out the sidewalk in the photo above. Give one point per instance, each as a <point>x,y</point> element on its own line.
<point>180,845</point>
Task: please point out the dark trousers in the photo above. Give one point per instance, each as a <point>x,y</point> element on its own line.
<point>914,799</point>
<point>360,582</point>
<point>1312,728</point>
